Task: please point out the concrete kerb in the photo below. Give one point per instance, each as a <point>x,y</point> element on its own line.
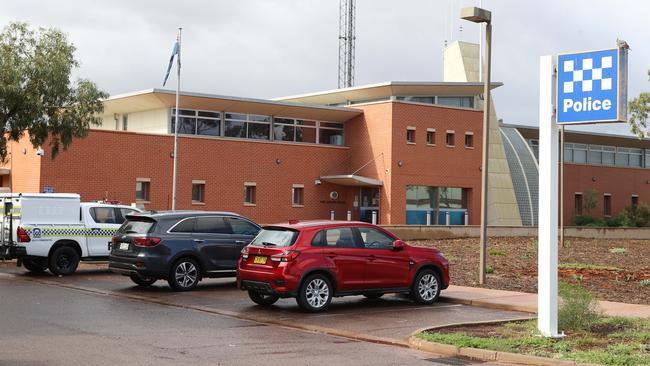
<point>483,354</point>
<point>490,305</point>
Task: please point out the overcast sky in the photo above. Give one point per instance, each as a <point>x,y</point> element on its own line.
<point>272,48</point>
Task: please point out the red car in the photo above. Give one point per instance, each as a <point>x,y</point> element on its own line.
<point>314,261</point>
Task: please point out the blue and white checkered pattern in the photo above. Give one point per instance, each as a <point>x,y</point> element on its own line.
<point>51,231</point>
<point>585,75</point>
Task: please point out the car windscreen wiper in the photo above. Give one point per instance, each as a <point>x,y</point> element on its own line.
<point>267,244</point>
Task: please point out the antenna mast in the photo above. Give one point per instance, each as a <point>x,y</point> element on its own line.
<point>347,11</point>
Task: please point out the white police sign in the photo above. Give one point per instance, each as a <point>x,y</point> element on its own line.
<point>592,87</point>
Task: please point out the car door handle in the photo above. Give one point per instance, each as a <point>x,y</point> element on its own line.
<point>199,240</point>
<point>240,241</point>
<point>372,257</point>
<point>331,254</point>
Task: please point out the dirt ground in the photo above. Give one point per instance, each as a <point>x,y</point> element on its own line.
<point>611,269</point>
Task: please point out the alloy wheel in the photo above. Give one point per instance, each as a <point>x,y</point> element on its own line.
<point>317,293</point>
<point>186,274</point>
<point>428,287</point>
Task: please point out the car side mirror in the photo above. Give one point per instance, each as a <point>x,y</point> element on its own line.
<point>398,245</point>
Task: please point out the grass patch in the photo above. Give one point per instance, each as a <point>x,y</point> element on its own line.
<point>617,250</point>
<point>588,266</point>
<point>645,283</point>
<point>497,252</point>
<point>607,341</point>
<point>452,258</point>
<point>489,269</point>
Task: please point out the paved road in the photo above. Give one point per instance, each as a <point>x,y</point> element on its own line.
<point>100,318</point>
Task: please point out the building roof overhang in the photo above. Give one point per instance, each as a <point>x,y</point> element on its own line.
<point>160,98</point>
<point>390,88</point>
<point>352,180</point>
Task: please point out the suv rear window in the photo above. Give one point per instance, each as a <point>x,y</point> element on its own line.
<point>137,226</point>
<point>277,237</point>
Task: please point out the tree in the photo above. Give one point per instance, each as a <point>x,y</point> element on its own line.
<point>639,108</point>
<point>591,200</point>
<point>36,94</point>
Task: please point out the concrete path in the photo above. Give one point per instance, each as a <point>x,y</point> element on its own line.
<point>520,301</point>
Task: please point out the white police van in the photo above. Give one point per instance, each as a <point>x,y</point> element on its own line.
<point>56,230</point>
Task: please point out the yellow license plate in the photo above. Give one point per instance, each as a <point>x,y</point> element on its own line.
<point>259,260</point>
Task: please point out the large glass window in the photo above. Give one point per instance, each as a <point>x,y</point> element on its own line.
<point>195,122</point>
<point>198,192</point>
<point>464,102</point>
<point>605,155</point>
<point>440,205</point>
<point>248,126</point>
<point>330,133</point>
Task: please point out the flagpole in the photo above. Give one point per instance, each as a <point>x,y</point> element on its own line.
<point>178,88</point>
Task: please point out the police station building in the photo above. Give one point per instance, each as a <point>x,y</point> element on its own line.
<point>398,152</point>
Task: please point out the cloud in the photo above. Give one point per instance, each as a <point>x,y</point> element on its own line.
<point>270,48</point>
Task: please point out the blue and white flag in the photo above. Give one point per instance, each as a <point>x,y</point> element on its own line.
<point>175,52</point>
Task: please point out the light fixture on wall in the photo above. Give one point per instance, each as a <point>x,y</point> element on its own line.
<point>593,179</point>
<point>278,161</point>
<point>400,163</point>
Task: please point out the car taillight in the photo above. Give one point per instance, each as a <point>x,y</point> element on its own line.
<point>146,241</point>
<point>244,253</point>
<point>286,256</point>
<point>22,235</point>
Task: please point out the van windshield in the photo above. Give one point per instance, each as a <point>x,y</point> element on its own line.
<point>275,237</point>
<point>137,226</point>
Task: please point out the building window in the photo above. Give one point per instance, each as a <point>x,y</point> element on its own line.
<point>125,122</point>
<point>635,200</point>
<point>250,193</point>
<point>469,140</point>
<point>463,102</point>
<point>296,130</point>
<point>330,133</point>
<point>205,123</point>
<point>247,126</point>
<point>607,204</point>
<point>142,188</point>
<point>410,135</point>
<point>431,136</point>
<point>578,203</point>
<point>297,195</point>
<point>198,191</point>
<point>451,138</point>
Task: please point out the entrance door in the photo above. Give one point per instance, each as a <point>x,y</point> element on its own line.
<point>368,202</point>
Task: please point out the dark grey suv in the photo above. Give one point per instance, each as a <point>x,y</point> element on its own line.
<point>182,247</point>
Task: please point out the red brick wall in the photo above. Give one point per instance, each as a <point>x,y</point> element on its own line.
<point>108,163</point>
<point>437,165</point>
<point>621,183</point>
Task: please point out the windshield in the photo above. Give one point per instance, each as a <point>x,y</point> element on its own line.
<point>137,226</point>
<point>275,237</point>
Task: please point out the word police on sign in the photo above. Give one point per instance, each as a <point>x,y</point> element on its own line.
<point>592,87</point>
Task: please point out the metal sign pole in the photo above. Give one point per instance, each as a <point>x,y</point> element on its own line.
<point>547,298</point>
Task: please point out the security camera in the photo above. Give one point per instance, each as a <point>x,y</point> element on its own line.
<point>40,152</point>
<point>317,182</point>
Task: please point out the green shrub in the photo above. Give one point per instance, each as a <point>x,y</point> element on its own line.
<point>497,252</point>
<point>489,269</point>
<point>577,309</point>
<point>583,220</point>
<point>635,216</point>
<point>617,250</point>
<point>645,283</point>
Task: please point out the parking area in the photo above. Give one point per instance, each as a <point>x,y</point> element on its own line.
<point>390,319</point>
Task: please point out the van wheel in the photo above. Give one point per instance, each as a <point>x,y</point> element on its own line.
<point>426,287</point>
<point>315,293</point>
<point>35,265</point>
<point>184,275</point>
<point>142,281</point>
<point>263,299</point>
<point>63,261</point>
